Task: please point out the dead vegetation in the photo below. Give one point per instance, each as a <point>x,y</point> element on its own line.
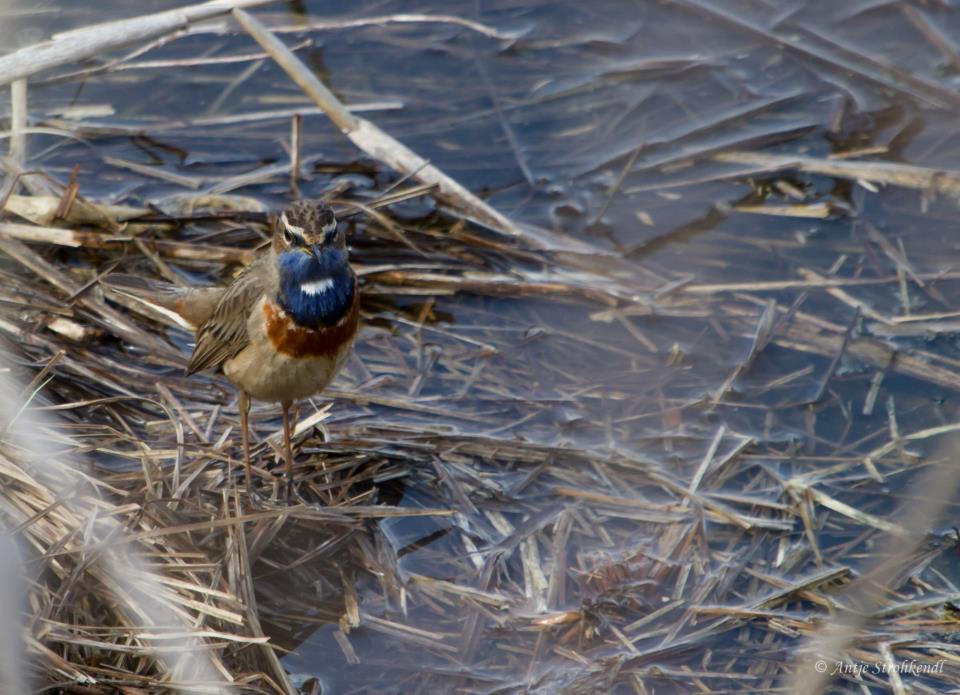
<point>551,467</point>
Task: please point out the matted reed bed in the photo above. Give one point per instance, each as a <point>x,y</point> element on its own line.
<point>549,467</point>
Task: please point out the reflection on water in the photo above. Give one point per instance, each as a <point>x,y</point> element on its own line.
<point>566,436</point>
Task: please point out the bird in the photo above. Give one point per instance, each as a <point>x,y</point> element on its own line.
<point>286,324</point>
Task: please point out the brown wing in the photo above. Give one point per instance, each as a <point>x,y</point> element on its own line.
<point>224,334</point>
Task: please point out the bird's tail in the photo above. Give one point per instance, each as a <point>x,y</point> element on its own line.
<point>194,304</point>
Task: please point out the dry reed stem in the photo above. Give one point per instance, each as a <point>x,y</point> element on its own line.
<point>18,121</point>
<point>887,173</point>
<point>80,44</point>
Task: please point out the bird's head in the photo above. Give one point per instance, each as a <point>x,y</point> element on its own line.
<point>316,285</point>
<point>308,226</point>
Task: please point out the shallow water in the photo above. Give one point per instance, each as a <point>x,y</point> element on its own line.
<point>598,120</point>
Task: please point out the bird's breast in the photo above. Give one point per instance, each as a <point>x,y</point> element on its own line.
<point>293,340</point>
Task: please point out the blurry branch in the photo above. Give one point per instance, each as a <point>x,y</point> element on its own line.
<point>369,138</point>
<point>81,44</point>
<point>874,590</point>
<point>18,134</point>
<point>52,506</point>
<point>905,175</point>
<point>13,664</point>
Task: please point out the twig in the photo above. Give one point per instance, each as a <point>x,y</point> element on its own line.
<point>761,338</point>
<point>905,175</point>
<point>78,128</point>
<point>42,210</point>
<point>295,124</point>
<point>55,235</point>
<point>933,34</point>
<point>777,285</point>
<point>87,42</point>
<point>405,18</point>
<point>18,121</point>
<point>835,362</point>
<point>154,172</point>
<point>505,124</point>
<point>846,298</point>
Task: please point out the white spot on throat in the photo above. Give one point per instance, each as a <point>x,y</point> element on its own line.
<point>315,287</point>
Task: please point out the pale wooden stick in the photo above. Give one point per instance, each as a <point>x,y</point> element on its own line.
<point>295,124</point>
<point>42,210</point>
<point>53,235</point>
<point>905,175</point>
<point>80,44</point>
<point>369,138</point>
<point>18,121</point>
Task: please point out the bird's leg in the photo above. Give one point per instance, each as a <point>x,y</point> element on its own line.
<point>287,451</point>
<point>245,436</point>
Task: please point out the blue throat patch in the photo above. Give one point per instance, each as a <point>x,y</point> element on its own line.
<point>323,308</point>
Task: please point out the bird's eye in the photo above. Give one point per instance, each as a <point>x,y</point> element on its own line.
<point>287,237</point>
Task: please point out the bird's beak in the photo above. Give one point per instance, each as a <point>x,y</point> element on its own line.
<point>316,251</point>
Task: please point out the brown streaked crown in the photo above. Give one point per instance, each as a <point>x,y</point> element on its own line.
<point>306,222</point>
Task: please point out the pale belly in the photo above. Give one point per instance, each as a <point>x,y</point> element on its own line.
<point>270,376</point>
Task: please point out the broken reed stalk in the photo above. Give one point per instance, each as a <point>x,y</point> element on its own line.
<point>402,18</point>
<point>295,125</point>
<point>371,139</point>
<point>18,121</point>
<point>80,44</point>
<point>43,210</point>
<point>905,175</point>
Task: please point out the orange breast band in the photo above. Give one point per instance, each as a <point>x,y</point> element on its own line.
<point>295,341</point>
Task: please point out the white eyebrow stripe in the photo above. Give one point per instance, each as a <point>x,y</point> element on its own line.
<point>315,287</point>
<point>289,227</point>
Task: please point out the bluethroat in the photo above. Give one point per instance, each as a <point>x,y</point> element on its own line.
<point>284,327</point>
